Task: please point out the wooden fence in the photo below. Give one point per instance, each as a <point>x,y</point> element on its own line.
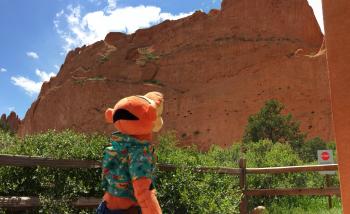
<point>19,202</point>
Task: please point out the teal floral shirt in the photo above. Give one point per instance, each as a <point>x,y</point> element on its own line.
<point>126,160</point>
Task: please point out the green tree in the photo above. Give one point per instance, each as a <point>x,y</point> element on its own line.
<point>4,126</point>
<point>270,124</point>
<point>309,149</point>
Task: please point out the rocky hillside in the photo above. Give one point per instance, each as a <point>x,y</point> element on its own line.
<point>10,122</point>
<point>215,69</point>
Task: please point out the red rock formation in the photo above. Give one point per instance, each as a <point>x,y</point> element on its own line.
<point>337,28</point>
<point>10,122</point>
<point>215,70</point>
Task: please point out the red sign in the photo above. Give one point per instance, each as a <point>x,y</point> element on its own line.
<point>325,156</point>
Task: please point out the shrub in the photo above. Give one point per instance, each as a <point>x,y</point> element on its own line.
<point>270,124</point>
<point>50,184</point>
<point>4,127</point>
<point>265,153</point>
<point>308,151</point>
<point>181,191</point>
<point>5,139</point>
<point>146,55</point>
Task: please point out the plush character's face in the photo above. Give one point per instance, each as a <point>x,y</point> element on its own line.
<point>137,115</point>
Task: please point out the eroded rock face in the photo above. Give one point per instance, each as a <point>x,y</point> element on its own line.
<point>10,122</point>
<point>215,70</point>
<point>337,28</point>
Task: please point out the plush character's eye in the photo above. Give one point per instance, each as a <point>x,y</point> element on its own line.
<point>123,114</point>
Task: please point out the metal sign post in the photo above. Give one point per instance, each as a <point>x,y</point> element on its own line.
<point>326,157</point>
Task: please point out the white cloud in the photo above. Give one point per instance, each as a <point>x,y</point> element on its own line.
<point>317,8</point>
<point>93,26</point>
<point>3,69</point>
<point>33,55</point>
<point>56,67</point>
<point>11,108</point>
<point>30,86</point>
<point>44,76</point>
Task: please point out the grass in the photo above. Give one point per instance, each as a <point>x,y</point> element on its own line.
<point>307,205</point>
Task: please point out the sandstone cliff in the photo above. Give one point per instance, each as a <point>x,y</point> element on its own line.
<point>215,69</point>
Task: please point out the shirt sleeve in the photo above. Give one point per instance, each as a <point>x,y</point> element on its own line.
<point>106,164</point>
<point>142,163</point>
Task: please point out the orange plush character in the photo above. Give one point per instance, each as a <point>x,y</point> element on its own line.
<point>129,164</point>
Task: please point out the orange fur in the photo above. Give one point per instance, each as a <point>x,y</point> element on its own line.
<point>145,112</point>
<point>117,202</point>
<point>145,197</point>
<point>148,110</point>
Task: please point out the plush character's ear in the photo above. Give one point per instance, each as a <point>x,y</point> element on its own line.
<point>155,96</point>
<point>158,124</point>
<point>158,98</point>
<point>109,115</point>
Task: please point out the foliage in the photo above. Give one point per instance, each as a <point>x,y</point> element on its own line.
<point>308,151</point>
<point>270,124</point>
<point>184,191</point>
<point>265,153</point>
<point>4,127</point>
<point>306,205</point>
<point>179,192</point>
<point>103,59</point>
<point>274,139</point>
<point>60,145</point>
<point>5,139</point>
<point>50,184</point>
<point>146,55</point>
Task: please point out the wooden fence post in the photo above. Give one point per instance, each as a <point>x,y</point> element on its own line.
<point>243,206</point>
<point>328,184</point>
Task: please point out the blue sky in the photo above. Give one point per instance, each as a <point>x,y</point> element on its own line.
<point>36,35</point>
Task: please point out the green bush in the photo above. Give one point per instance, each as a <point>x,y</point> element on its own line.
<point>265,153</point>
<point>4,127</point>
<point>50,184</point>
<point>308,151</point>
<point>183,191</point>
<point>270,124</point>
<point>5,139</point>
<point>179,192</point>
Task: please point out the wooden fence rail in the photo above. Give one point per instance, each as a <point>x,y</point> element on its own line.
<point>32,161</point>
<point>295,191</point>
<point>31,202</point>
<point>292,169</point>
<point>242,172</point>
